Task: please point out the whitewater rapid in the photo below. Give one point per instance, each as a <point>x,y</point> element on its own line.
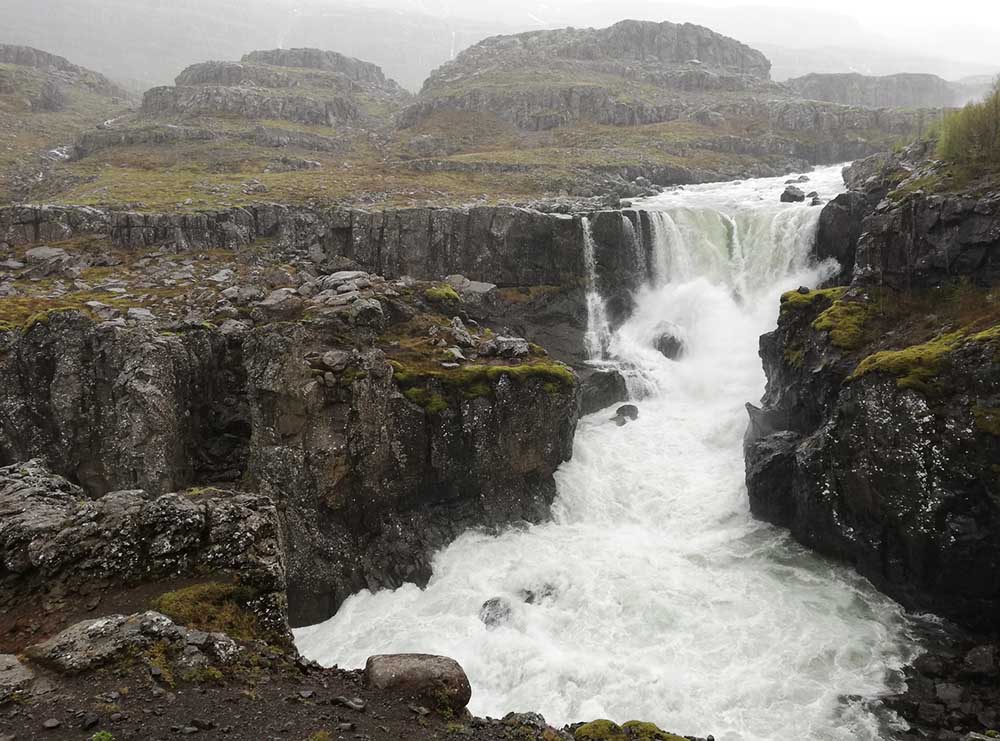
<point>656,595</point>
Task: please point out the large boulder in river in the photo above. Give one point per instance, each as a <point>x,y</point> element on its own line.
<point>793,194</point>
<point>669,344</point>
<point>437,680</point>
<point>601,389</point>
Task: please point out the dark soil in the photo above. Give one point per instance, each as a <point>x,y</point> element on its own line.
<point>291,703</point>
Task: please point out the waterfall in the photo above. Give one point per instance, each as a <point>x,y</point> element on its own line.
<point>656,596</point>
<point>598,335</point>
<point>633,239</point>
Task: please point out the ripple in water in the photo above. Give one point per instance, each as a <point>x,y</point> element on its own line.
<point>655,594</point>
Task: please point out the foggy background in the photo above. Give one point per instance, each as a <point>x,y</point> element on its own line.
<point>142,43</point>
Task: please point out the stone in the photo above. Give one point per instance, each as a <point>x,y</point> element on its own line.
<point>336,360</point>
<point>626,413</point>
<point>495,612</point>
<point>669,344</point>
<point>51,724</point>
<point>460,335</point>
<point>948,693</point>
<point>367,312</point>
<point>601,389</point>
<point>223,276</point>
<point>792,194</point>
<point>505,347</point>
<point>437,679</point>
<point>981,661</point>
<point>14,676</point>
<point>44,254</point>
<point>140,315</point>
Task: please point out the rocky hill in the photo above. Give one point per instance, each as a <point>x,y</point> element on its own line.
<point>45,102</point>
<point>890,91</point>
<point>306,86</point>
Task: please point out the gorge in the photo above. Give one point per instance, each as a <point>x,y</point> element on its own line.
<point>603,386</point>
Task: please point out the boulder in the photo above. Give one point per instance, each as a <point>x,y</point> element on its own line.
<point>626,413</point>
<point>601,389</point>
<point>669,345</point>
<point>792,194</point>
<point>495,611</point>
<point>437,680</point>
<point>91,644</point>
<point>505,347</point>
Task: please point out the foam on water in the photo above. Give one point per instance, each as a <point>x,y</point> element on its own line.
<point>657,595</point>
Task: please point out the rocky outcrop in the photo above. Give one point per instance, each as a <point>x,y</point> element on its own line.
<point>878,427</point>
<point>248,103</point>
<point>375,483</point>
<point>55,544</point>
<point>380,427</point>
<point>318,59</point>
<point>865,462</point>
<point>891,91</point>
<point>63,69</point>
<point>118,407</point>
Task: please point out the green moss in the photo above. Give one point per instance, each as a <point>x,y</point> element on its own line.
<point>987,419</point>
<point>102,736</point>
<point>928,183</point>
<point>794,356</point>
<point>434,403</point>
<point>914,367</point>
<point>793,300</point>
<point>478,379</point>
<point>213,607</point>
<point>320,736</point>
<point>442,294</point>
<point>634,730</point>
<point>600,730</point>
<point>648,732</point>
<point>845,321</point>
<point>158,655</point>
<point>203,675</point>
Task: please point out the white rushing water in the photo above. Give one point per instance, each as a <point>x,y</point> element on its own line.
<point>658,596</point>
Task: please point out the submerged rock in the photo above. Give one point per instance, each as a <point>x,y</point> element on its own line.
<point>626,413</point>
<point>495,611</point>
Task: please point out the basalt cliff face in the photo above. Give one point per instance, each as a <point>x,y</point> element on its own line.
<point>878,440</point>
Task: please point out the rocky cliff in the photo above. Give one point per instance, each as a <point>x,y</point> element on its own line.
<point>379,423</point>
<point>877,439</point>
<point>891,91</point>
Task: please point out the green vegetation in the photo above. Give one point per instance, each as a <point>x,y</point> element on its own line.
<point>793,300</point>
<point>971,136</point>
<point>634,730</point>
<point>102,736</point>
<point>320,736</point>
<point>845,321</point>
<point>987,419</point>
<point>476,379</point>
<point>433,402</point>
<point>158,656</point>
<point>442,294</point>
<point>213,607</point>
<point>914,367</point>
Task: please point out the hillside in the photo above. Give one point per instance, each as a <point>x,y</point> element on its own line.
<point>889,91</point>
<point>45,102</point>
<point>661,97</point>
<point>575,113</point>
